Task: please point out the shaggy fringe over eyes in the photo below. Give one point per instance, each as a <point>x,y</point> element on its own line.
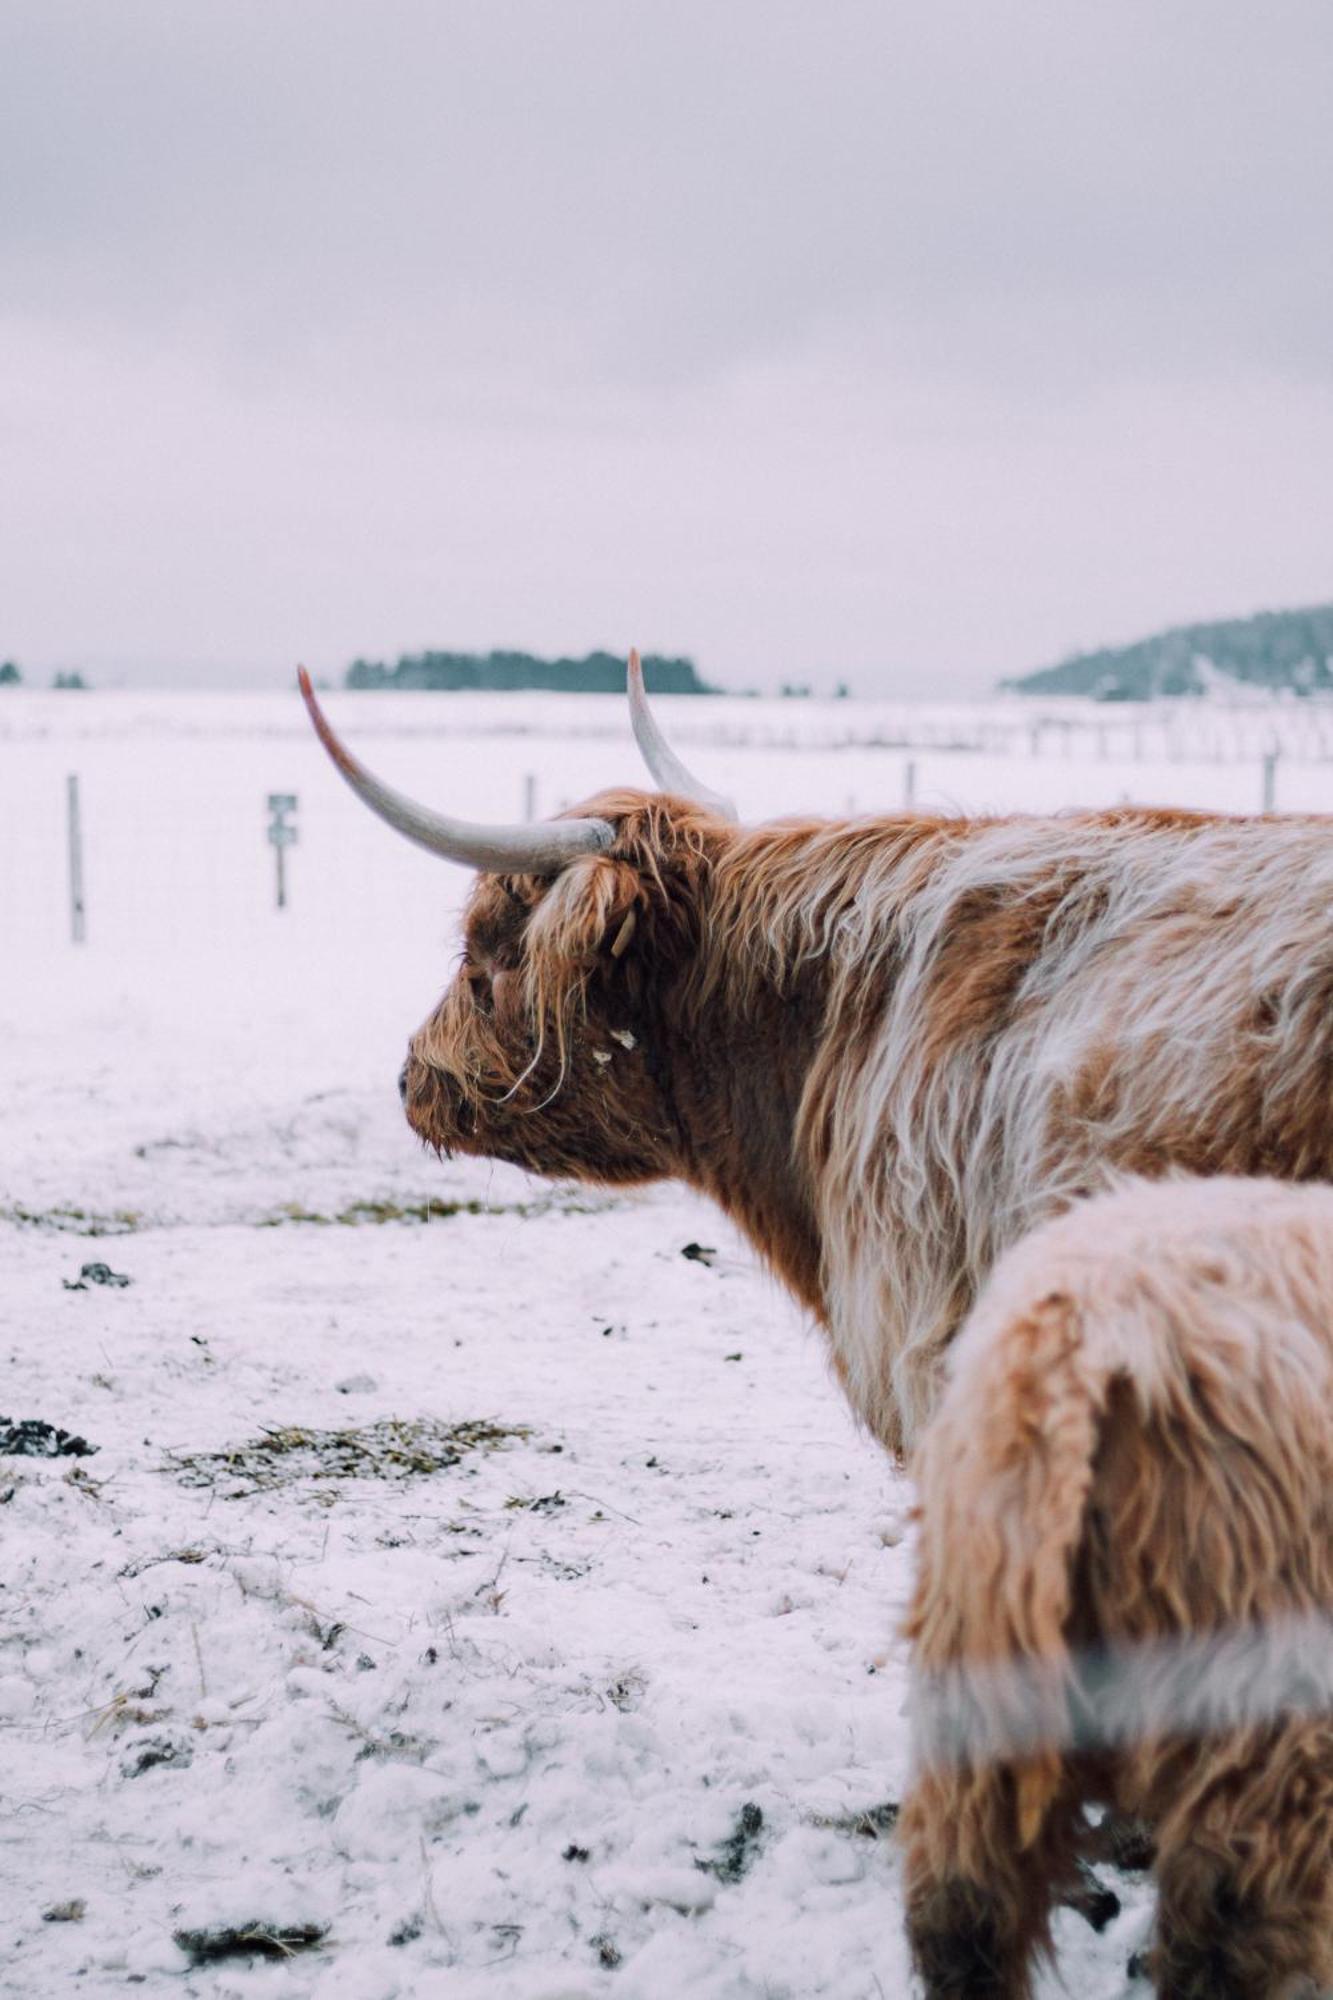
<point>662,850</point>
<point>573,924</point>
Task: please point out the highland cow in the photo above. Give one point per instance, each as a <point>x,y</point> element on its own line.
<point>887,1046</point>
<point>1125,1592</point>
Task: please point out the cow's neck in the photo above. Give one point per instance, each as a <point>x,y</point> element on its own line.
<point>750,1022</point>
<point>737,1079</point>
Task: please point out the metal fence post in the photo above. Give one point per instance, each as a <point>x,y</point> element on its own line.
<point>1270,780</point>
<point>77,925</point>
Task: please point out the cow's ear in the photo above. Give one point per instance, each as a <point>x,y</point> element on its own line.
<point>590,909</point>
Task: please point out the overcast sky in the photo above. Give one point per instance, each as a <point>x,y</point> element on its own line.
<point>907,344</point>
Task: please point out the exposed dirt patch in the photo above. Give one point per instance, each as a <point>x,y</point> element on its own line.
<point>737,1852</point>
<point>872,1823</point>
<point>67,1219</point>
<point>152,1753</point>
<point>257,1940</point>
<point>96,1274</point>
<point>543,1503</point>
<point>361,1214</point>
<point>71,1912</point>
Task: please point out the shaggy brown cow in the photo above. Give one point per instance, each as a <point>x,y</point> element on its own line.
<point>886,1046</point>
<point>1126,1591</point>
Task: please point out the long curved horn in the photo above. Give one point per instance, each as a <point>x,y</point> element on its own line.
<point>668,773</point>
<point>543,849</point>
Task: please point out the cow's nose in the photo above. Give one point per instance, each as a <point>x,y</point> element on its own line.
<point>402,1084</point>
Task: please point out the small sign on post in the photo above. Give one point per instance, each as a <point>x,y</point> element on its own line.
<point>282,835</point>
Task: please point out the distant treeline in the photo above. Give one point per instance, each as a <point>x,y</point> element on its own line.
<point>10,676</point>
<point>595,673</point>
<point>1275,650</point>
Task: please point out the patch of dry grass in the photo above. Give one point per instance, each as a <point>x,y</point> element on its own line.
<point>394,1448</point>
<point>72,1221</point>
<point>362,1214</point>
<point>257,1940</point>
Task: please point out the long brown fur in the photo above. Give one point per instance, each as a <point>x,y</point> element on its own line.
<point>888,1047</point>
<point>1133,1458</point>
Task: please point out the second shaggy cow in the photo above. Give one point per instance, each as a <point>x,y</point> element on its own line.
<point>1126,1591</point>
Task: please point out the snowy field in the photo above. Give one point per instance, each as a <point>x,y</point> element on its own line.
<point>468,1587</point>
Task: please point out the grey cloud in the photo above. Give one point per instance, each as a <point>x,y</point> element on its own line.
<point>882,338</point>
<point>628,192</point>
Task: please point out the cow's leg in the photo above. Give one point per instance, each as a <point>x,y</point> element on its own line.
<point>978,1908</point>
<point>1245,1872</point>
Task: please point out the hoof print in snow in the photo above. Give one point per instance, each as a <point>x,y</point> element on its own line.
<point>256,1940</point>
<point>96,1274</point>
<point>699,1253</point>
<point>627,1692</point>
<point>33,1438</point>
<point>733,1859</point>
<point>154,1753</point>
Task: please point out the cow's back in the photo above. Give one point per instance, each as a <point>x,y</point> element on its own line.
<point>1061,999</point>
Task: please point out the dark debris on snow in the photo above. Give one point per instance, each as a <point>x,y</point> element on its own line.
<point>33,1437</point>
<point>732,1860</point>
<point>257,1940</point>
<point>96,1274</point>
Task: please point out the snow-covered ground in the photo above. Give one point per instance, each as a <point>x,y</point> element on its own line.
<point>484,1691</point>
